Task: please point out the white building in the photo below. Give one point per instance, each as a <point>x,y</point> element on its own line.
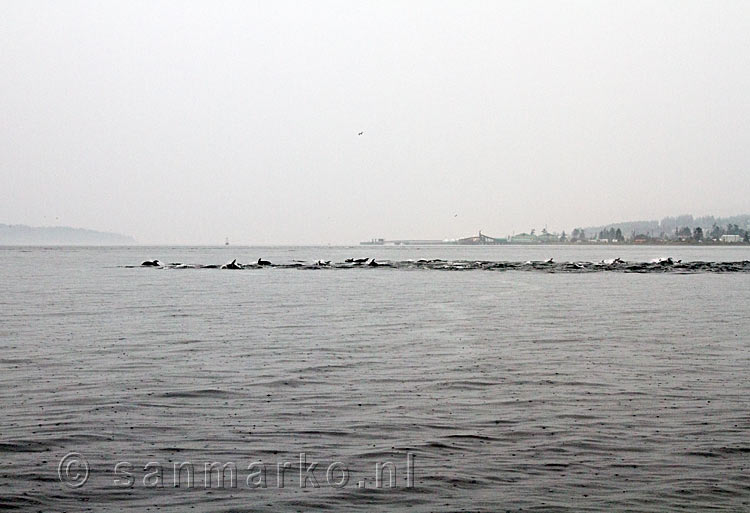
<point>730,238</point>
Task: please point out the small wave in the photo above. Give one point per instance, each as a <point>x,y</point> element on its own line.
<point>24,446</point>
<point>472,437</point>
<point>197,393</point>
<point>719,451</point>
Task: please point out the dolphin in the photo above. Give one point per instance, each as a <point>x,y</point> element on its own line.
<point>232,265</point>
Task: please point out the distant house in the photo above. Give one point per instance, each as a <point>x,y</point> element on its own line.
<point>730,238</point>
<point>524,238</point>
<point>546,237</point>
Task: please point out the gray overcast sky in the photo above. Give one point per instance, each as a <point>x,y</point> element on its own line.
<point>185,122</point>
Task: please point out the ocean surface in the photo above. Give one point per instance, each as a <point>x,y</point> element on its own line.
<point>483,391</point>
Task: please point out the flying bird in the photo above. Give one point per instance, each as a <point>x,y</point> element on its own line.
<point>360,133</point>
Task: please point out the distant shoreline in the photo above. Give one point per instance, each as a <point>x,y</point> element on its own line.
<point>356,245</point>
<point>558,243</point>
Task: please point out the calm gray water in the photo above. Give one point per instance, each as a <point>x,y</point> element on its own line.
<point>511,390</point>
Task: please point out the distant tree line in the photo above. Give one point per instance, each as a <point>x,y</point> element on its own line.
<point>578,234</point>
<point>670,228</point>
<point>697,234</point>
<point>617,234</point>
<point>612,235</point>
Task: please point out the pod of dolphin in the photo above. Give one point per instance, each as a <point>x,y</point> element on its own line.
<point>661,265</point>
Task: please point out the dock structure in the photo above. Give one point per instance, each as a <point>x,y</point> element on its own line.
<point>481,239</point>
<point>373,242</point>
<point>405,242</point>
<point>467,241</point>
<point>418,242</point>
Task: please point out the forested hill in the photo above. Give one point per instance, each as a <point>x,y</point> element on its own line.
<point>21,235</point>
<point>669,225</point>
